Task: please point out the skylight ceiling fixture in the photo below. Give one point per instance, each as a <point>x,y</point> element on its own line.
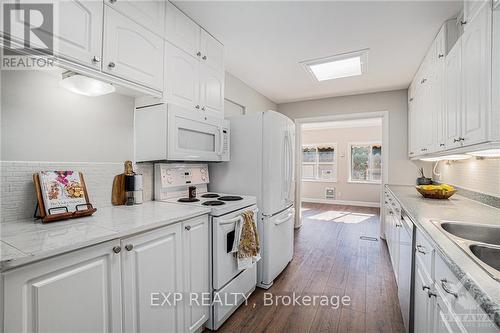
<point>84,85</point>
<point>338,66</point>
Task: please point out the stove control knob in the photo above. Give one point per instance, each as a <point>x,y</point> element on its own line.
<point>203,178</point>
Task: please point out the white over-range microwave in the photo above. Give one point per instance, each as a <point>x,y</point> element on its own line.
<point>174,133</point>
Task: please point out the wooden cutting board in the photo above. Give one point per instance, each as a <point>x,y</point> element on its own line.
<point>118,193</point>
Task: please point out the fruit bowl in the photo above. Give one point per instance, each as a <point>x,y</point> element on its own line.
<point>436,191</point>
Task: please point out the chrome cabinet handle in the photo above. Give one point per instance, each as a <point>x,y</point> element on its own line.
<point>423,149</point>
<point>111,65</point>
<point>446,287</point>
<point>463,22</point>
<point>129,247</point>
<point>440,55</point>
<point>442,145</point>
<point>411,99</point>
<point>112,1</point>
<point>204,57</point>
<point>96,59</point>
<point>461,139</point>
<point>117,249</point>
<point>203,108</point>
<point>398,225</point>
<point>198,53</point>
<point>423,81</point>
<point>431,294</point>
<point>421,249</point>
<point>456,140</point>
<point>197,107</point>
<point>188,227</point>
<point>426,288</point>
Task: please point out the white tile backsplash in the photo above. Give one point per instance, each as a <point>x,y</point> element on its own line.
<point>17,192</point>
<point>479,175</point>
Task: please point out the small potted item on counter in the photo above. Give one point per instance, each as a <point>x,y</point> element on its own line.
<point>422,180</point>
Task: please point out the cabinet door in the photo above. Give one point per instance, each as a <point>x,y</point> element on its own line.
<point>76,291</point>
<point>453,95</point>
<point>182,84</point>
<point>196,278</point>
<point>181,31</point>
<point>149,14</point>
<point>212,52</point>
<point>476,77</point>
<point>438,89</point>
<point>79,35</point>
<point>411,126</point>
<point>212,91</point>
<point>422,304</point>
<point>131,51</point>
<point>152,263</point>
<point>444,321</point>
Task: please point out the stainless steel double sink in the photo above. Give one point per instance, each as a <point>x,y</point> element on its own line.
<point>480,242</point>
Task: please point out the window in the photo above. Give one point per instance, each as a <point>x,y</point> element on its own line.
<point>365,162</point>
<point>319,162</point>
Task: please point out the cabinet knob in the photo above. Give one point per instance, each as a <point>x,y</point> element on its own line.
<point>203,108</point>
<point>442,145</point>
<point>411,99</point>
<point>423,81</point>
<point>463,22</point>
<point>188,227</point>
<point>96,59</point>
<point>204,57</point>
<point>117,249</point>
<point>461,139</point>
<point>197,107</point>
<point>129,247</point>
<point>441,56</point>
<point>198,54</point>
<point>111,65</point>
<point>112,1</point>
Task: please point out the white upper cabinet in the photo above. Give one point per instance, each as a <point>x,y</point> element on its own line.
<point>181,31</point>
<point>212,52</point>
<point>196,274</point>
<point>79,32</point>
<point>131,51</point>
<point>212,91</point>
<point>453,102</point>
<point>149,14</point>
<point>476,77</point>
<point>152,263</point>
<point>79,291</point>
<point>182,84</point>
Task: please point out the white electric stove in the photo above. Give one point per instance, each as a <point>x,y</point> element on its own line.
<point>172,182</point>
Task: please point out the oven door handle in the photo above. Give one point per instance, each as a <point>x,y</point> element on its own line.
<point>235,219</point>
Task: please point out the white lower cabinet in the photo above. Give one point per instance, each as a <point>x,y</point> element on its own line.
<point>78,291</point>
<point>195,258</point>
<point>441,302</point>
<point>152,263</point>
<point>116,286</point>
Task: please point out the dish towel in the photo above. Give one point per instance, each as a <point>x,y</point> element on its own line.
<point>246,246</point>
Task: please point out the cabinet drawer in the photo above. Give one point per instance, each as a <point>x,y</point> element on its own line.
<point>453,292</point>
<point>424,252</point>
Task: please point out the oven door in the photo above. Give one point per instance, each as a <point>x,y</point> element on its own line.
<point>225,265</point>
<point>193,136</point>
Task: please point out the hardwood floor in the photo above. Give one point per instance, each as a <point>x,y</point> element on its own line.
<point>330,259</point>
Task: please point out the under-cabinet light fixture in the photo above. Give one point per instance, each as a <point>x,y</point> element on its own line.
<point>486,153</point>
<point>84,85</point>
<point>456,157</point>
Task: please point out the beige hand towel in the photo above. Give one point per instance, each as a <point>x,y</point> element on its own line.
<point>247,250</point>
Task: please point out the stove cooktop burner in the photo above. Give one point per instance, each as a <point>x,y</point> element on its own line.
<point>210,195</point>
<point>213,203</point>
<point>230,198</point>
<point>188,200</point>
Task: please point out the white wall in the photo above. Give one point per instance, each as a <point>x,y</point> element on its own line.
<point>344,190</point>
<point>42,122</point>
<point>239,92</point>
<point>401,169</point>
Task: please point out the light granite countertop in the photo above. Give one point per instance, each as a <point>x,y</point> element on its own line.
<point>484,289</point>
<point>22,242</point>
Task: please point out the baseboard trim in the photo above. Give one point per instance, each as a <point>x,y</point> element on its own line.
<point>342,202</point>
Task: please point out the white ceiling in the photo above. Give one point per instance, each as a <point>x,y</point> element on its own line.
<point>368,122</point>
<point>266,40</point>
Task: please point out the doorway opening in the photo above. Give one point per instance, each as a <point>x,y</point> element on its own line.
<point>342,160</point>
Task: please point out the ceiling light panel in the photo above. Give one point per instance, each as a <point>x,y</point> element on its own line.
<point>339,66</point>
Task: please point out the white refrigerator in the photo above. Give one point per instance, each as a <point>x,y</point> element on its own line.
<point>262,165</point>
